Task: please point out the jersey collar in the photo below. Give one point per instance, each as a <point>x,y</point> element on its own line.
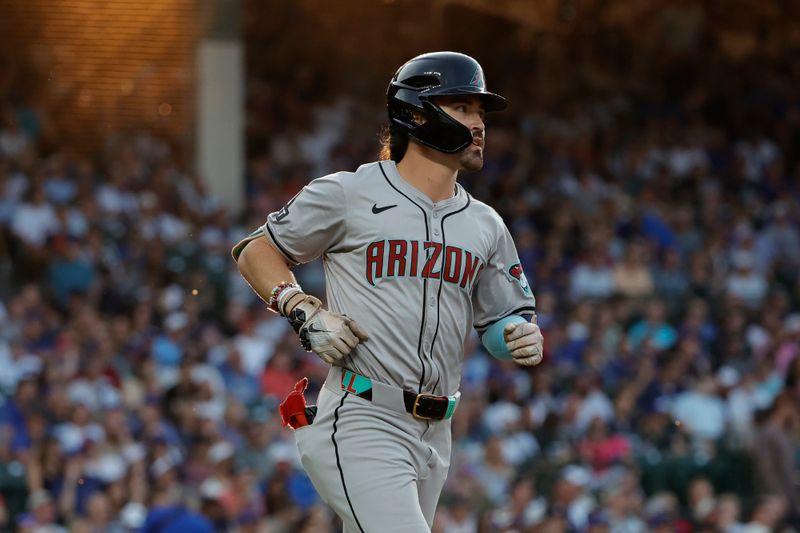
<point>457,200</point>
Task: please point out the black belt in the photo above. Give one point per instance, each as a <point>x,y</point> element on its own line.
<point>422,406</point>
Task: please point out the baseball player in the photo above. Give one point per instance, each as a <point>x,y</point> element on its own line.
<point>412,263</point>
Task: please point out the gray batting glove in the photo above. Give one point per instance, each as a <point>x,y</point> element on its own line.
<point>327,334</point>
<point>525,342</point>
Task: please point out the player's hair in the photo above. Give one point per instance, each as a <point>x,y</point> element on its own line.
<point>394,143</point>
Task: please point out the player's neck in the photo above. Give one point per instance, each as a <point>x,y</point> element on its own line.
<point>428,173</point>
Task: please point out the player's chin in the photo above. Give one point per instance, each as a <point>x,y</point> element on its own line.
<point>472,159</point>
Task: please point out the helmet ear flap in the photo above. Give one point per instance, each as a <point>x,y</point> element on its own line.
<point>412,116</point>
<point>441,131</point>
<point>405,115</point>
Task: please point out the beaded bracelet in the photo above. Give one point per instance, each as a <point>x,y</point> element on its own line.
<point>272,302</point>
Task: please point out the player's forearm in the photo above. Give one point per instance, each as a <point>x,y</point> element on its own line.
<point>263,267</point>
<point>330,335</point>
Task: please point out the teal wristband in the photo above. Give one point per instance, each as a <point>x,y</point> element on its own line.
<point>494,340</point>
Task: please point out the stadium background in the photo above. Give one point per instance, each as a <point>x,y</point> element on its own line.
<point>648,166</point>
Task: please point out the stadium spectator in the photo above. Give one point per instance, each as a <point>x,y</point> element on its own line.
<point>700,411</point>
<point>775,470</point>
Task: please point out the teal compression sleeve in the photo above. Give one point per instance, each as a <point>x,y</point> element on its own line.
<point>493,339</point>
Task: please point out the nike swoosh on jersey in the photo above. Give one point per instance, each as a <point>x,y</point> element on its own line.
<point>376,209</point>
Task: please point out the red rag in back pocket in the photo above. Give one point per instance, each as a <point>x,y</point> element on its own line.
<point>293,408</point>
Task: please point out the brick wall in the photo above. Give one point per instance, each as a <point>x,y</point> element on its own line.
<point>101,66</point>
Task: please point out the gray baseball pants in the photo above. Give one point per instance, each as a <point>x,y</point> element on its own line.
<point>378,467</point>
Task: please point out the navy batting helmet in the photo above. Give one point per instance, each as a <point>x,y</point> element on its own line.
<point>437,74</point>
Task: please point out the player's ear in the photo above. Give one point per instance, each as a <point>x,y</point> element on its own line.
<point>418,118</point>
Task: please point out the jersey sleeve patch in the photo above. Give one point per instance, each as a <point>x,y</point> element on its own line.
<point>517,275</point>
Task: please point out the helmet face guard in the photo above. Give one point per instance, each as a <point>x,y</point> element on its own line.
<point>439,130</point>
<point>431,75</point>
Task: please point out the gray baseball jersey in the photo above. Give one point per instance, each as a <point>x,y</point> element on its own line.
<point>416,275</point>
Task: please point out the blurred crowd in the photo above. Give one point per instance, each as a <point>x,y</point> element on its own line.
<point>660,232</point>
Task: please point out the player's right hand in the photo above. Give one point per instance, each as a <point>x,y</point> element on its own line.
<point>327,334</point>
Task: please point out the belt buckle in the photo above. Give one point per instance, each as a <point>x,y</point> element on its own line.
<point>416,404</point>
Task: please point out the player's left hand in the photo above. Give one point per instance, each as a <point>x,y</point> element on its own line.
<point>525,342</point>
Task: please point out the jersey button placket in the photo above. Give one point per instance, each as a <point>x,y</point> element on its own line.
<point>431,321</point>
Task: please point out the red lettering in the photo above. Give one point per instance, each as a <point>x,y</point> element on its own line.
<point>350,385</point>
<point>428,272</point>
<point>397,258</point>
<point>471,270</point>
<point>375,261</point>
<point>452,264</point>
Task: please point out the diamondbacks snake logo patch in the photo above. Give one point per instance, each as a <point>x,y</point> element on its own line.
<point>515,272</point>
